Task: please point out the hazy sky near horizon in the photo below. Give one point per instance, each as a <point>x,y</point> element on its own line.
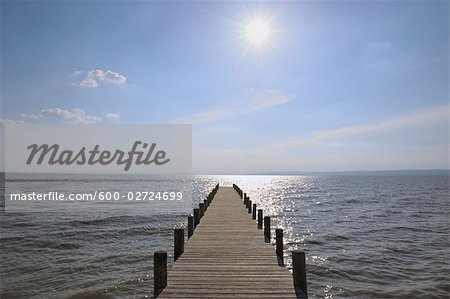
<point>339,85</point>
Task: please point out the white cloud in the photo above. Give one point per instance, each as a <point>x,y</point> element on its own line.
<point>94,77</point>
<point>87,83</point>
<point>75,115</point>
<point>112,116</point>
<point>251,100</point>
<point>110,77</point>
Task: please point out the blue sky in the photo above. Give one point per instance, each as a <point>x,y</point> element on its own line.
<point>338,86</point>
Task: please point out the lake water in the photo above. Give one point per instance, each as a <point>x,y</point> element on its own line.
<point>364,236</point>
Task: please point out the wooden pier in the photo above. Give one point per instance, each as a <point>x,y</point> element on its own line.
<point>228,255</point>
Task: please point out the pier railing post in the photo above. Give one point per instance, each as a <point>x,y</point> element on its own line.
<point>190,226</point>
<point>267,228</point>
<point>299,272</point>
<point>159,272</point>
<point>196,217</point>
<point>254,211</point>
<point>249,206</point>
<point>178,243</point>
<point>279,245</point>
<point>245,198</point>
<point>260,218</point>
<point>206,204</point>
<point>202,209</point>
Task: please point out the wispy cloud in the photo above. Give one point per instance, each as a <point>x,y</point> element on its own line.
<point>94,77</point>
<point>412,123</point>
<point>249,101</point>
<point>58,115</point>
<point>112,116</point>
<point>419,139</point>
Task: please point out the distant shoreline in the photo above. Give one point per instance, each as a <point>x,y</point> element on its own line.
<point>406,172</point>
<point>421,172</point>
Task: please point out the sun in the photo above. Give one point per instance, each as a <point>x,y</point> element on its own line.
<point>258,31</point>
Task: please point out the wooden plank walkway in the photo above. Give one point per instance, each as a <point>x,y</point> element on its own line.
<point>227,257</point>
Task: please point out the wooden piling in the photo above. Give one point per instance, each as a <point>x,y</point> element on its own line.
<point>260,218</point>
<point>254,211</point>
<point>299,272</point>
<point>196,217</point>
<point>267,228</point>
<point>178,243</point>
<point>159,272</point>
<point>249,206</point>
<point>238,190</point>
<point>201,207</point>
<point>279,244</point>
<point>190,226</point>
